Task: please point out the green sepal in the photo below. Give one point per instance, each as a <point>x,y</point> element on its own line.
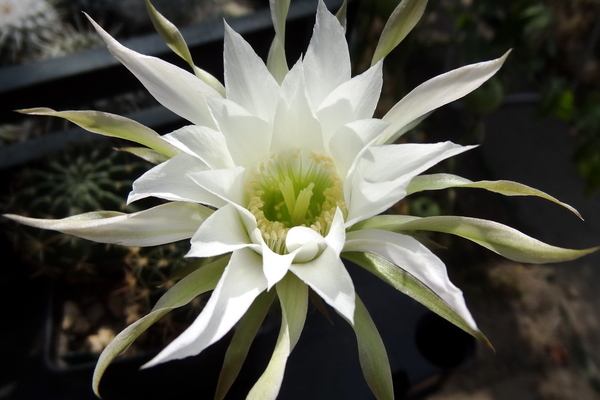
<point>372,355</point>
<point>507,188</point>
<point>293,296</point>
<point>111,125</point>
<point>184,291</point>
<point>173,38</point>
<point>240,343</point>
<point>499,238</point>
<point>341,14</point>
<point>276,59</point>
<point>150,155</point>
<point>401,22</point>
<point>409,285</point>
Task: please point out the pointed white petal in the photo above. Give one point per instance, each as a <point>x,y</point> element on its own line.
<point>327,275</point>
<point>223,232</point>
<point>295,125</point>
<point>351,140</point>
<point>327,61</point>
<point>248,137</point>
<point>275,266</point>
<point>171,181</point>
<point>158,225</point>
<point>176,89</point>
<point>241,282</point>
<point>226,184</point>
<point>204,143</point>
<point>336,237</point>
<point>247,80</point>
<point>352,100</point>
<point>410,255</point>
<point>438,91</point>
<point>384,172</point>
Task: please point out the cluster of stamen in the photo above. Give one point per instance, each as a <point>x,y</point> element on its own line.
<point>298,190</point>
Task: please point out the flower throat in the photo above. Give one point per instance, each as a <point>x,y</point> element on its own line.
<point>298,190</point>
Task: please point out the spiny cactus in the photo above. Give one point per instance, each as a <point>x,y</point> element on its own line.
<point>25,25</point>
<point>77,180</point>
<point>69,40</point>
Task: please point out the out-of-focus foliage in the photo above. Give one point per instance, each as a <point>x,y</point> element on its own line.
<point>556,54</point>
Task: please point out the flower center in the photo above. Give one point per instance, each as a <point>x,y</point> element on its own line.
<point>299,190</point>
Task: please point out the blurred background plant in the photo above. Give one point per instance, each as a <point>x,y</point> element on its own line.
<point>554,64</point>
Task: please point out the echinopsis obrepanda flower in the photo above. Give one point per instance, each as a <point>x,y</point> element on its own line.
<point>282,172</point>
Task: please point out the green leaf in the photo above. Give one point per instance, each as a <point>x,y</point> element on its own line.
<point>507,188</point>
<point>293,296</point>
<point>111,125</point>
<point>241,341</point>
<point>173,38</point>
<point>371,353</point>
<point>184,291</point>
<point>501,239</point>
<point>152,156</point>
<point>409,285</point>
<point>401,22</point>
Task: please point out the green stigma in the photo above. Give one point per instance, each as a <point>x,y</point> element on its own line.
<point>298,190</point>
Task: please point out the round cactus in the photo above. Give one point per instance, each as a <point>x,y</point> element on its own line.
<point>25,25</point>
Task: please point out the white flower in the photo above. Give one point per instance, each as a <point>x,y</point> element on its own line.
<point>296,170</point>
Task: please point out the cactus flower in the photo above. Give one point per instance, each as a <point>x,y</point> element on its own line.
<point>281,173</point>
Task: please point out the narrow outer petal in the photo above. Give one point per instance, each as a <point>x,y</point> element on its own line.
<point>241,282</point>
<point>176,89</point>
<point>410,255</point>
<point>159,225</point>
<point>436,92</point>
<point>293,296</point>
<point>383,173</point>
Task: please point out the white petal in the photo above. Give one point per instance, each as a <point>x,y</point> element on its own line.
<point>158,225</point>
<point>328,277</point>
<point>351,140</point>
<point>353,100</point>
<point>171,181</point>
<point>410,255</point>
<point>275,266</point>
<point>226,184</point>
<point>241,283</point>
<point>204,143</point>
<point>384,172</point>
<point>295,125</point>
<point>438,91</point>
<point>223,232</point>
<point>248,137</point>
<point>247,80</point>
<point>306,242</point>
<point>176,89</point>
<point>337,232</point>
<point>327,61</point>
